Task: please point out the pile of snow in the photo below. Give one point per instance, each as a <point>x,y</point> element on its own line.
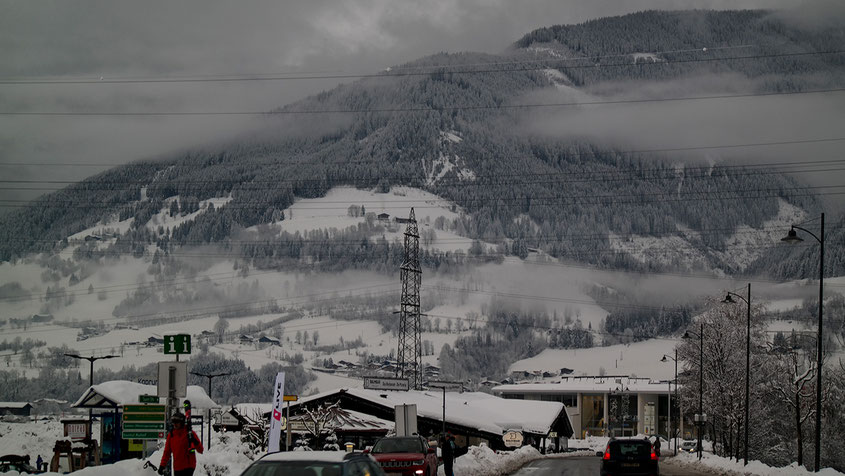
<point>482,461</point>
<point>723,465</point>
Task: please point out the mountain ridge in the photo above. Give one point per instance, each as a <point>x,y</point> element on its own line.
<point>396,138</point>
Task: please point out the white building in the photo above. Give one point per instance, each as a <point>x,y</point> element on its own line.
<point>605,405</point>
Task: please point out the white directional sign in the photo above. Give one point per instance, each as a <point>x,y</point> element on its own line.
<point>448,386</point>
<point>386,383</point>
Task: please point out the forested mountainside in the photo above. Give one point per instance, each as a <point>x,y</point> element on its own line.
<point>767,48</point>
<point>444,123</point>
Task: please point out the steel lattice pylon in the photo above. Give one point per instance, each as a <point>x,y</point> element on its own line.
<point>410,342</point>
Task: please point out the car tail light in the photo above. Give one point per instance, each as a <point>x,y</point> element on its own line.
<point>654,456</point>
<point>606,454</point>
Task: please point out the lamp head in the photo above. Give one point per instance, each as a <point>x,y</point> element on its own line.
<point>792,237</point>
<point>728,300</point>
<point>686,335</point>
<point>664,358</point>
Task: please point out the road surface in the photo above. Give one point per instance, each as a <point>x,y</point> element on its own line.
<point>554,465</point>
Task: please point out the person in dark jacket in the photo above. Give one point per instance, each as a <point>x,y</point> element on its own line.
<point>656,446</point>
<point>182,444</point>
<point>448,454</point>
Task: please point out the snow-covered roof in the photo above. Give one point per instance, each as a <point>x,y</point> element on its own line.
<point>249,409</point>
<point>14,404</point>
<point>588,385</point>
<point>472,409</point>
<point>122,392</point>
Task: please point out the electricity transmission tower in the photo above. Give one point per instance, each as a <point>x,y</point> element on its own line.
<point>410,345</point>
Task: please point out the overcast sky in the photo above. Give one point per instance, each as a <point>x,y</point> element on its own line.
<point>111,39</point>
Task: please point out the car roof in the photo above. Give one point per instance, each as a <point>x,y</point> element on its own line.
<point>325,456</point>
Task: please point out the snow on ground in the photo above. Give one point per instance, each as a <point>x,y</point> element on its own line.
<point>163,218</point>
<point>330,211</point>
<point>744,246</point>
<point>227,456</point>
<point>647,57</point>
<point>111,225</point>
<point>640,358</point>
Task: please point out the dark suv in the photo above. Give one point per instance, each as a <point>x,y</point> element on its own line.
<point>629,456</point>
<point>405,456</point>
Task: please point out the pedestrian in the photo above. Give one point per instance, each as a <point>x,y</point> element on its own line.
<point>38,462</point>
<point>182,444</point>
<point>656,446</point>
<point>448,453</point>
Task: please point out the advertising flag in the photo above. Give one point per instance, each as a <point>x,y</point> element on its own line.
<point>276,417</point>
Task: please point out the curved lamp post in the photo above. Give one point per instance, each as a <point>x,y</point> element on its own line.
<point>792,237</point>
<point>729,299</point>
<point>666,358</point>
<point>209,377</point>
<point>700,417</point>
<point>91,384</point>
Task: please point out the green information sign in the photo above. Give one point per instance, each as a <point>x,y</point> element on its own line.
<point>142,435</point>
<point>143,426</point>
<point>144,422</point>
<point>144,409</point>
<point>143,417</point>
<point>177,344</point>
<point>148,399</point>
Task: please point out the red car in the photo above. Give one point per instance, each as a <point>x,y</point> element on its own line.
<point>405,456</point>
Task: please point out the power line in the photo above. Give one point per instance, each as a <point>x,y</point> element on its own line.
<point>433,69</point>
<point>584,199</point>
<point>691,172</point>
<point>567,154</point>
<point>285,112</point>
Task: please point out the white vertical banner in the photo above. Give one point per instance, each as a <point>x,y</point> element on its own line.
<point>276,417</point>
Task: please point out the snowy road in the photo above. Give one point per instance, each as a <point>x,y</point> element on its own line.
<point>589,466</point>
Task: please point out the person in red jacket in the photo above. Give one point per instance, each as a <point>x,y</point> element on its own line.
<point>182,444</point>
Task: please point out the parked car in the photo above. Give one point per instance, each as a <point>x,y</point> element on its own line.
<point>314,463</point>
<point>405,456</point>
<point>629,456</point>
<point>16,463</point>
<point>689,446</point>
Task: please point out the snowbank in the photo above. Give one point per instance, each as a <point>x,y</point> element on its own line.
<point>482,461</point>
<point>754,468</point>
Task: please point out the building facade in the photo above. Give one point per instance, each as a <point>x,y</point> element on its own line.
<point>607,405</point>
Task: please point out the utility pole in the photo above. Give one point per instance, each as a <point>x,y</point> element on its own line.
<point>410,341</point>
<point>209,377</point>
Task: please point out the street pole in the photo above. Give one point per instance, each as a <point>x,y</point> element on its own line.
<point>747,372</point>
<point>209,377</point>
<point>444,411</point>
<point>792,237</point>
<point>700,387</point>
<point>676,399</point>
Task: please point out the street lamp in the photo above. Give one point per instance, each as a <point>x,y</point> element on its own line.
<point>209,377</point>
<point>666,358</point>
<point>700,417</point>
<point>792,237</point>
<point>91,384</point>
<point>729,299</point>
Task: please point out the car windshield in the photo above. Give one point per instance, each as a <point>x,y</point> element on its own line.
<point>625,449</point>
<point>398,445</point>
<point>294,468</point>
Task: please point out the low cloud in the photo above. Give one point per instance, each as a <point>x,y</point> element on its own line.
<point>698,123</point>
